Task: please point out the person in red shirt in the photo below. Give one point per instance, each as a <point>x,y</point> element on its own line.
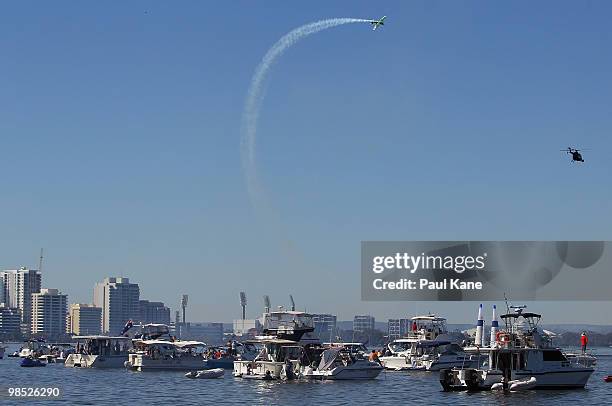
<point>584,340</point>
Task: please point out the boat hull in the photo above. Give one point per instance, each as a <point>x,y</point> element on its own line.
<point>346,373</point>
<point>140,362</point>
<point>95,361</point>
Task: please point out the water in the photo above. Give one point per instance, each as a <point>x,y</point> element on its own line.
<point>118,386</point>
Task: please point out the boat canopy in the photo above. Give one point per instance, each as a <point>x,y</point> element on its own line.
<point>429,343</point>
<point>178,344</point>
<point>429,317</point>
<point>100,338</point>
<point>328,357</point>
<point>517,315</point>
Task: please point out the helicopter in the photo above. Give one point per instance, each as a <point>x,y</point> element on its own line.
<point>575,153</point>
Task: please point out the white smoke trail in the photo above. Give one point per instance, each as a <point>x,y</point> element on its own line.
<point>255,97</point>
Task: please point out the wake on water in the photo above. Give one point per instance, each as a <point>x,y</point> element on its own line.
<point>255,97</point>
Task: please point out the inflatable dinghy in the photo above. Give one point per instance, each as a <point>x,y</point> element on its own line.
<point>513,386</point>
<point>206,373</point>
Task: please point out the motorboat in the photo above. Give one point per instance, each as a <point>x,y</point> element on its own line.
<point>99,352</point>
<point>153,355</point>
<point>278,358</point>
<point>608,378</point>
<point>30,362</point>
<point>338,363</point>
<point>206,373</point>
<point>519,352</point>
<point>427,355</point>
<point>427,346</point>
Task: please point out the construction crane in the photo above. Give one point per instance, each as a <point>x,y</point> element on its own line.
<point>292,303</point>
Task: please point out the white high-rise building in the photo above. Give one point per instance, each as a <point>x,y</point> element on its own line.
<point>119,300</point>
<point>49,308</point>
<point>363,323</point>
<point>18,286</point>
<point>325,326</point>
<point>84,319</point>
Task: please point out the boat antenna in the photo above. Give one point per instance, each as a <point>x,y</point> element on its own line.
<point>506,300</point>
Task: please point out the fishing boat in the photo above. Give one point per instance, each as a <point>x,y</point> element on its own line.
<point>99,352</point>
<point>518,353</point>
<point>337,363</point>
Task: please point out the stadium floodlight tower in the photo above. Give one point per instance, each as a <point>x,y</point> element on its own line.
<point>243,303</point>
<point>267,304</point>
<point>184,301</point>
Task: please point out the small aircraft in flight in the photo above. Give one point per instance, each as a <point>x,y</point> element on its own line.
<point>376,23</point>
<point>575,153</point>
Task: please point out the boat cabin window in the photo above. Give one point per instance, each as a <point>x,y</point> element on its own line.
<point>553,355</point>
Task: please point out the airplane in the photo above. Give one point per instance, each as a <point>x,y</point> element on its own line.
<point>376,23</point>
<point>575,153</point>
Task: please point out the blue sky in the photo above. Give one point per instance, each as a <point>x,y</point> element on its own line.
<point>120,128</point>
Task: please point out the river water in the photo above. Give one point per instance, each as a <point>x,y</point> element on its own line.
<point>119,386</point>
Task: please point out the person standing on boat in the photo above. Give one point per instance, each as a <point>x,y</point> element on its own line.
<point>584,340</point>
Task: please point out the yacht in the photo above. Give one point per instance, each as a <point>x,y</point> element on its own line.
<point>338,363</point>
<point>519,352</point>
<point>427,346</point>
<point>151,355</point>
<point>278,358</point>
<point>99,352</point>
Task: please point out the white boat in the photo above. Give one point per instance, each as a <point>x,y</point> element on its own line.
<point>99,352</point>
<point>427,355</point>
<point>277,359</point>
<point>519,352</point>
<point>152,355</point>
<point>428,346</point>
<point>206,373</point>
<point>339,364</point>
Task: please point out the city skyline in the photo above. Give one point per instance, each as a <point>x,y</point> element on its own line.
<point>122,129</point>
